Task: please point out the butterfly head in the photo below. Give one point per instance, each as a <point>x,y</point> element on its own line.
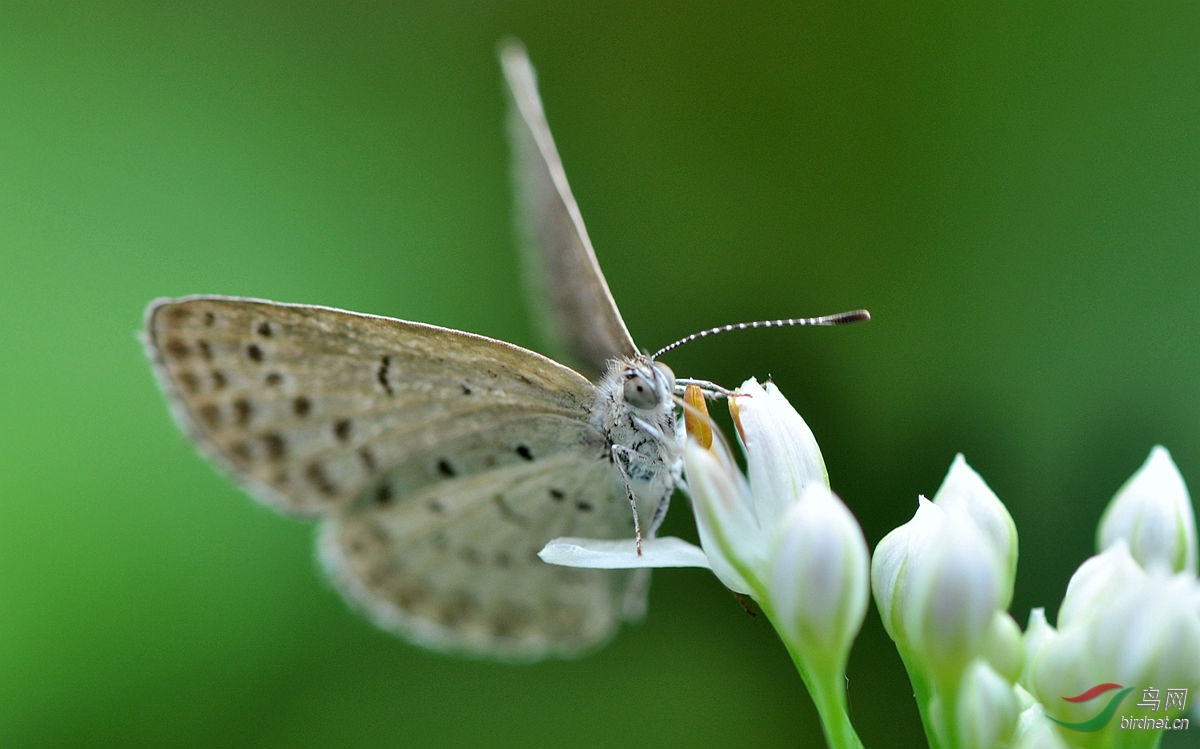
<point>646,385</point>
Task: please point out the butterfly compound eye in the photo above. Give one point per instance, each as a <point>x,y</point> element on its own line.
<point>640,391</point>
<point>668,377</point>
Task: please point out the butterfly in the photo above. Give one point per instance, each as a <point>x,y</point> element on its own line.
<point>439,462</point>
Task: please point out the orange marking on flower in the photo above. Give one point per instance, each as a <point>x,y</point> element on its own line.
<point>733,411</point>
<point>695,416</point>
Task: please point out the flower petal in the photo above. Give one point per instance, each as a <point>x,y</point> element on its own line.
<point>724,519</point>
<point>611,554</point>
<point>782,456</point>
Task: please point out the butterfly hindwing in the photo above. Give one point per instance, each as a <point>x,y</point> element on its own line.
<point>454,566</point>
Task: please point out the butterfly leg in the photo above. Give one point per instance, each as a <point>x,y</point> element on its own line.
<point>622,456</point>
<point>660,512</point>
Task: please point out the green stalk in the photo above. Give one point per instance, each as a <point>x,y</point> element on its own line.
<point>826,687</point>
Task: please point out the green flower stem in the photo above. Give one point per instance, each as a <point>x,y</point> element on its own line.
<point>923,693</point>
<point>949,702</point>
<point>826,685</point>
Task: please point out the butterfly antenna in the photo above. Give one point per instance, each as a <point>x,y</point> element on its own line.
<point>841,318</point>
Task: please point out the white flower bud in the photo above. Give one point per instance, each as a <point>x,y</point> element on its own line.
<point>938,585</point>
<point>964,491</point>
<point>988,708</point>
<point>1118,623</point>
<point>1003,647</point>
<point>1097,582</point>
<point>1150,633</point>
<point>889,564</point>
<point>1035,732</point>
<point>1038,636</point>
<point>954,590</point>
<point>1153,514</point>
<point>817,576</point>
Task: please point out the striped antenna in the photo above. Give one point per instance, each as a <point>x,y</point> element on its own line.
<point>841,318</point>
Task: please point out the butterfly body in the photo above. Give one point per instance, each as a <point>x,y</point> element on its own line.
<point>635,412</point>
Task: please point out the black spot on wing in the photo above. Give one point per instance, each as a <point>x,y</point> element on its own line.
<point>381,374</point>
<point>242,411</point>
<point>176,349</point>
<point>384,494</point>
<point>189,382</point>
<point>319,479</point>
<point>210,414</point>
<point>275,445</point>
<point>367,456</point>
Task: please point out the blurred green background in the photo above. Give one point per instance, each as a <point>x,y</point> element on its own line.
<point>1015,195</point>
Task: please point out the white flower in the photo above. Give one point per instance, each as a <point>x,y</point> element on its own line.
<point>1004,647</point>
<point>1035,732</point>
<point>616,555</point>
<point>964,491</point>
<point>988,709</point>
<point>954,592</point>
<point>1097,582</point>
<point>940,580</point>
<point>1153,513</point>
<point>1150,634</point>
<point>1038,636</point>
<point>740,520</point>
<point>938,586</point>
<point>1118,623</point>
<point>817,576</point>
<point>779,535</point>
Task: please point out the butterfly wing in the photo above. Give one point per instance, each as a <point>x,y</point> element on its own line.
<point>454,566</point>
<point>378,423</point>
<point>582,314</point>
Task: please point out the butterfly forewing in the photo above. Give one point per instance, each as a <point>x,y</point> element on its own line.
<point>306,405</point>
<point>563,270</point>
